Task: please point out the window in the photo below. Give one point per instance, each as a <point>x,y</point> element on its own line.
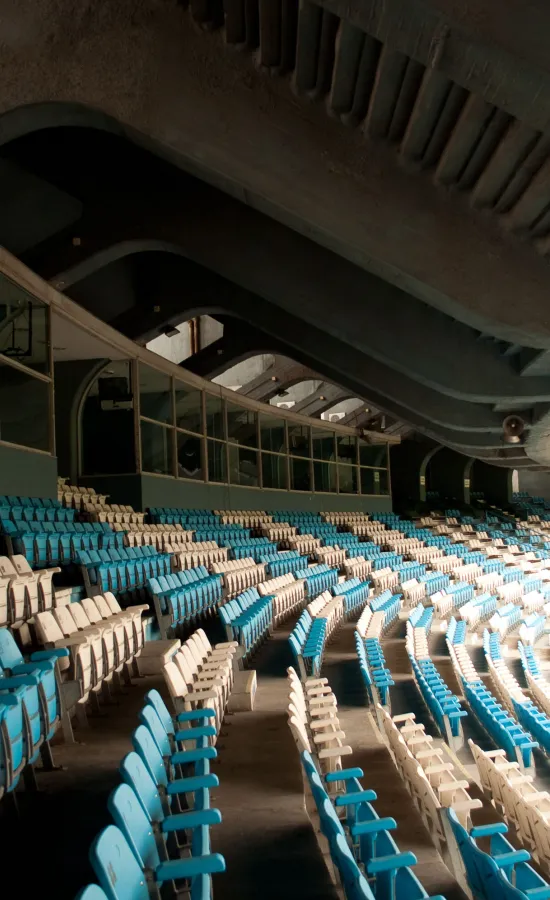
<point>274,471</point>
<point>324,475</point>
<point>24,408</point>
<point>300,474</point>
<point>347,479</point>
<point>188,408</point>
<point>214,416</point>
<point>323,443</point>
<point>157,449</point>
<point>217,461</point>
<point>243,466</point>
<point>241,426</point>
<point>273,434</point>
<point>346,448</point>
<point>367,481</point>
<point>109,411</point>
<point>189,456</point>
<point>298,440</point>
<point>372,454</point>
<point>155,394</point>
<point>383,481</point>
<point>24,327</point>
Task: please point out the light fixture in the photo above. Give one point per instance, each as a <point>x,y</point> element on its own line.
<point>322,398</point>
<point>170,331</point>
<point>367,409</point>
<point>274,378</point>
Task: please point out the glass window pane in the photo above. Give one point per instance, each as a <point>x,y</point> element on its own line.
<point>323,443</point>
<point>109,410</point>
<point>346,448</point>
<point>214,416</point>
<point>188,408</point>
<point>347,477</point>
<point>24,327</point>
<point>273,434</point>
<point>155,394</point>
<point>24,409</point>
<point>300,474</point>
<point>189,450</point>
<point>157,449</point>
<point>241,425</point>
<point>274,471</point>
<point>217,463</point>
<point>243,465</point>
<point>372,454</point>
<point>298,440</point>
<point>367,481</point>
<point>383,481</point>
<point>324,475</point>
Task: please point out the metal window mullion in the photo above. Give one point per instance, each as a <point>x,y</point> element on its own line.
<point>134,381</point>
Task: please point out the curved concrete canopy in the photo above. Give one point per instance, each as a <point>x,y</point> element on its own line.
<point>304,302</point>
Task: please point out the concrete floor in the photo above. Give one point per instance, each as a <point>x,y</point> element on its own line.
<point>265,835</point>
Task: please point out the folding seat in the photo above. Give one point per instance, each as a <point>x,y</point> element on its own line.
<point>99,576</point>
<point>42,670</point>
<point>21,593</point>
<point>190,690</point>
<point>110,609</point>
<point>12,742</point>
<point>122,877</point>
<point>219,670</point>
<point>92,892</point>
<point>113,634</point>
<point>171,771</point>
<point>85,653</point>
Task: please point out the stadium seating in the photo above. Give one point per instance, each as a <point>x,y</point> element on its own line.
<point>503,871</point>
<point>200,674</point>
<point>352,837</point>
<point>154,804</point>
<point>429,774</point>
<point>248,619</point>
<point>183,597</point>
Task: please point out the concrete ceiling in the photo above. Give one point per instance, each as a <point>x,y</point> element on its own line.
<point>364,189</point>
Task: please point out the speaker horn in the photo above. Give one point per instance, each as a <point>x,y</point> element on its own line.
<point>512,429</point>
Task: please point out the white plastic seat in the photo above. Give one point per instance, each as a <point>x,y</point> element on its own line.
<point>79,667</point>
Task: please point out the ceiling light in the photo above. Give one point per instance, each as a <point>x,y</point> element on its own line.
<point>322,398</point>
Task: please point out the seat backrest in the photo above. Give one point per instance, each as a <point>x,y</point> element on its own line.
<point>145,746</point>
<point>135,773</point>
<point>112,602</point>
<point>133,821</point>
<point>10,654</point>
<point>154,699</point>
<point>65,620</point>
<point>150,719</point>
<point>78,613</point>
<point>102,606</point>
<point>47,628</point>
<point>91,892</point>
<point>116,866</point>
<point>91,610</point>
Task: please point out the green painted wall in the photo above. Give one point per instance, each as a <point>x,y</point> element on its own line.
<point>194,495</point>
<point>27,474</point>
